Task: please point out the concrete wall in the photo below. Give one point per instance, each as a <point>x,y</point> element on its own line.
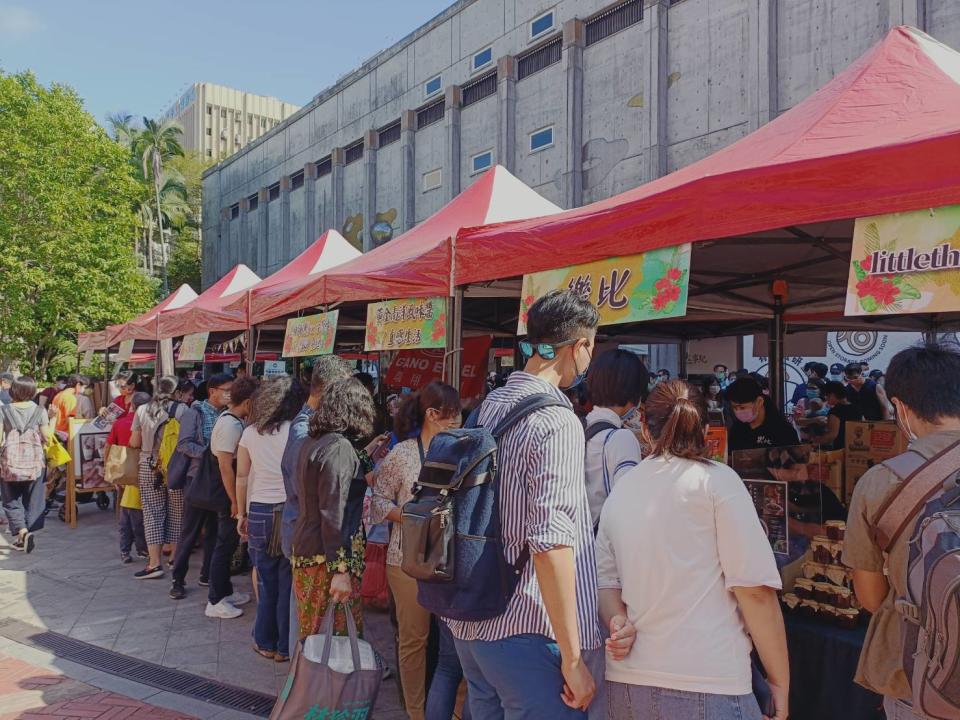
<point>691,77</point>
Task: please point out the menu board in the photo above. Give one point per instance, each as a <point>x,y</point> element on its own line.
<point>770,500</point>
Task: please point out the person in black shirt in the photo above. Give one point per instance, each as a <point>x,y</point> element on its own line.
<point>867,398</point>
<point>841,412</point>
<point>758,423</point>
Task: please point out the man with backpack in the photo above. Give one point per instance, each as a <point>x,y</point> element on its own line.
<point>531,660</point>
<point>910,587</point>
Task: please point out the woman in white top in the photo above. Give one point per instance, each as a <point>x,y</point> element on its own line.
<point>617,382</point>
<point>261,493</point>
<point>686,579</point>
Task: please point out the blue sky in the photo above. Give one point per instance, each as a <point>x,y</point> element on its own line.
<point>137,57</point>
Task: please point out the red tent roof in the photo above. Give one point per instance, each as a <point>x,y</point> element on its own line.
<point>881,137</point>
<point>330,250</point>
<point>417,263</point>
<point>142,327</point>
<point>206,311</point>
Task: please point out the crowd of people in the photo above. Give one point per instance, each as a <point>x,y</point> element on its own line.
<point>650,581</point>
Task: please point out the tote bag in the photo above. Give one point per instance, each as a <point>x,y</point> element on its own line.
<point>331,675</point>
<point>121,465</point>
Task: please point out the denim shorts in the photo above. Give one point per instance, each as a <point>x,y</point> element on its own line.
<point>626,702</point>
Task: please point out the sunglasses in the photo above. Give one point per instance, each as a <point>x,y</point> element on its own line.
<point>548,351</point>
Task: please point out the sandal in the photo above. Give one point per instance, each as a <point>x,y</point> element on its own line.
<point>268,654</point>
<point>281,658</point>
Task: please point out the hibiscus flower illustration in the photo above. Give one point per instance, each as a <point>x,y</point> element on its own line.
<point>882,291</point>
<point>674,274</point>
<point>439,328</point>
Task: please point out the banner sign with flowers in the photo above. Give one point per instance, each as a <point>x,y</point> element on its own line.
<point>648,286</point>
<point>310,335</point>
<point>905,262</point>
<point>407,324</point>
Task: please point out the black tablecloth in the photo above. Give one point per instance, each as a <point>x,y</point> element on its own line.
<point>823,661</point>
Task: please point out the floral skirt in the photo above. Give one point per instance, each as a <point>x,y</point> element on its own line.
<point>311,586</point>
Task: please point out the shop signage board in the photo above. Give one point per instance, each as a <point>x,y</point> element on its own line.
<point>193,347</point>
<point>407,324</point>
<point>648,286</point>
<point>770,500</point>
<point>415,368</point>
<point>310,335</point>
<point>274,368</point>
<point>126,351</point>
<point>905,262</point>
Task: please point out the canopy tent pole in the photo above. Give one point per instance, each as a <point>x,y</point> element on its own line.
<point>931,334</point>
<point>250,347</point>
<point>106,377</point>
<point>775,354</point>
<point>684,345</point>
<point>453,360</point>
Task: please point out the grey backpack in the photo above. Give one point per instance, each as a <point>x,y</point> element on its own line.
<point>927,503</point>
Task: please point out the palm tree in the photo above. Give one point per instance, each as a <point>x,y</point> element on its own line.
<point>123,130</point>
<point>158,141</point>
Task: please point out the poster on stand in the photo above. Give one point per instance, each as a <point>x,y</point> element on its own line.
<point>310,335</point>
<point>192,347</point>
<point>905,262</point>
<point>407,324</point>
<point>648,286</point>
<point>415,368</point>
<point>87,441</point>
<point>125,352</point>
<point>770,500</point>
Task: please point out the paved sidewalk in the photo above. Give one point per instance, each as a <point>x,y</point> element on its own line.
<point>75,584</point>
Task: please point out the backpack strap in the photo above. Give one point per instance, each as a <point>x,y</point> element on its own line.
<point>527,406</point>
<point>924,481</point>
<point>596,428</point>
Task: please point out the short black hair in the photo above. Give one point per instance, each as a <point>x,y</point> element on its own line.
<point>617,377</point>
<point>219,380</point>
<point>367,380</point>
<point>924,379</point>
<point>818,368</point>
<point>327,369</point>
<point>743,390</point>
<point>663,371</point>
<point>837,389</point>
<point>853,368</point>
<point>243,389</point>
<point>23,388</point>
<point>561,315</point>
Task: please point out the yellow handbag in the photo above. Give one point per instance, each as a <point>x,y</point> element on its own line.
<point>56,453</point>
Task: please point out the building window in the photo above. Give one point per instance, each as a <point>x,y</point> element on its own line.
<point>479,89</point>
<point>433,86</point>
<point>273,192</point>
<point>223,113</point>
<point>235,211</point>
<point>482,59</point>
<point>389,134</point>
<point>209,109</point>
<point>542,57</point>
<point>209,153</point>
<point>432,180</point>
<point>296,180</point>
<point>541,25</point>
<point>481,162</point>
<point>324,167</point>
<point>353,153</point>
<point>253,202</point>
<point>263,123</point>
<point>541,139</point>
<point>210,131</point>
<point>430,114</point>
<point>249,120</point>
<point>612,20</point>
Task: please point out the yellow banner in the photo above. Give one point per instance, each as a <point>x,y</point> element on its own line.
<point>310,335</point>
<point>634,288</point>
<point>193,347</point>
<point>905,263</point>
<point>407,324</point>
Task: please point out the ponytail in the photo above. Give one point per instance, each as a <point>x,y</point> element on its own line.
<point>157,407</point>
<point>676,417</point>
<point>413,407</point>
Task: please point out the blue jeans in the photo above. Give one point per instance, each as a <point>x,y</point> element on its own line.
<point>652,703</point>
<point>446,680</point>
<point>271,629</point>
<point>517,678</point>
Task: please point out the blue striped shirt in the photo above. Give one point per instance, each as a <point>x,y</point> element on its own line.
<point>543,504</point>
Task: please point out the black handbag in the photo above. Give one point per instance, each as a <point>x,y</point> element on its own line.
<point>205,489</point>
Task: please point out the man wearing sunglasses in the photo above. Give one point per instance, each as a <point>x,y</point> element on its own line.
<point>532,661</point>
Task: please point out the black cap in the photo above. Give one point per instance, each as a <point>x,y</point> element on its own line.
<point>836,369</point>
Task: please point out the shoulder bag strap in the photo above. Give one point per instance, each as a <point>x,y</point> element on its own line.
<point>915,491</point>
<point>527,406</point>
<point>423,456</point>
<point>598,427</point>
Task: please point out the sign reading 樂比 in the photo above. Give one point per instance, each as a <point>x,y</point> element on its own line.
<point>648,286</point>
<point>193,347</point>
<point>905,262</point>
<point>310,335</point>
<point>407,324</point>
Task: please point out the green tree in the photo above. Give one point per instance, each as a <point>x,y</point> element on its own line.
<point>67,224</point>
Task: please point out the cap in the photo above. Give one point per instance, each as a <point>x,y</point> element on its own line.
<point>836,369</point>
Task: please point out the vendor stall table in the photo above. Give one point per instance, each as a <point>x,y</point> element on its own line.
<point>823,662</point>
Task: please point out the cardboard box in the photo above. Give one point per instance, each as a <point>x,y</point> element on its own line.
<point>869,444</point>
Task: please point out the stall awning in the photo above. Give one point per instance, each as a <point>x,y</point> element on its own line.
<point>417,263</point>
<point>330,250</point>
<point>142,327</point>
<point>199,314</point>
<point>883,136</point>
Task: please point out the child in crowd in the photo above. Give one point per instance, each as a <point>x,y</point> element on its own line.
<point>131,511</point>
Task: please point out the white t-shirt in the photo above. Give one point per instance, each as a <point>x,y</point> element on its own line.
<point>266,451</point>
<point>610,455</point>
<point>226,434</point>
<point>675,536</point>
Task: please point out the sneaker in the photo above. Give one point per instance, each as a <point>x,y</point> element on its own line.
<point>143,555</point>
<point>149,573</point>
<point>203,582</point>
<point>17,545</point>
<point>222,610</point>
<point>125,558</point>
<point>28,543</point>
<point>178,591</point>
<point>238,599</point>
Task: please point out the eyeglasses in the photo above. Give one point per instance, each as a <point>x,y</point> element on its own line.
<point>548,351</point>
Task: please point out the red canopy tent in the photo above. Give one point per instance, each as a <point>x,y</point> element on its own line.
<point>206,311</point>
<point>142,327</point>
<point>883,136</point>
<point>330,250</point>
<point>417,263</point>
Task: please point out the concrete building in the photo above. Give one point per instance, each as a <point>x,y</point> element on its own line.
<point>218,121</point>
<point>581,99</point>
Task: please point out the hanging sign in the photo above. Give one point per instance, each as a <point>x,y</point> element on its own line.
<point>166,357</point>
<point>192,347</point>
<point>905,262</point>
<point>88,358</point>
<point>648,286</point>
<point>407,324</point>
<point>274,368</point>
<point>126,350</point>
<point>310,335</point>
<point>416,368</point>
